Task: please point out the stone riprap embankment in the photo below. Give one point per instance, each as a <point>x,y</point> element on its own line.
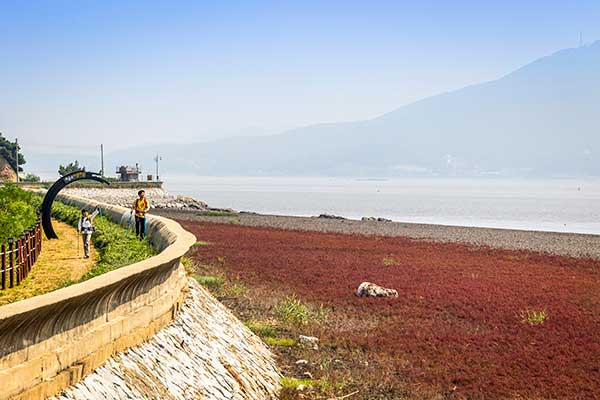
<point>205,353</point>
<point>159,198</point>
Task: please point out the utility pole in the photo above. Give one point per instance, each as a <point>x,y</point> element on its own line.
<point>101,160</point>
<point>580,39</point>
<point>157,159</point>
<point>17,157</point>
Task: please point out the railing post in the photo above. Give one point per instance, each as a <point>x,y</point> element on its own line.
<point>40,236</point>
<point>31,250</point>
<point>3,266</point>
<point>35,248</point>
<point>19,261</point>
<point>11,262</point>
<point>27,250</point>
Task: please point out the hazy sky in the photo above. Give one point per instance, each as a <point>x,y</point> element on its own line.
<point>79,73</point>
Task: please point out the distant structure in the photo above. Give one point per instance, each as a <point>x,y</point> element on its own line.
<point>7,172</point>
<point>128,173</point>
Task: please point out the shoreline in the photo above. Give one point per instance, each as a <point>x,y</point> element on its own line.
<point>579,245</point>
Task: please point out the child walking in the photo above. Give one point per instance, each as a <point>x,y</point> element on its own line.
<point>86,227</point>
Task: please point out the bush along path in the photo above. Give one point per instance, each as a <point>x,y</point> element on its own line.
<point>16,212</point>
<point>116,246</point>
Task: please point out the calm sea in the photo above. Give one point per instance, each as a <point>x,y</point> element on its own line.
<point>564,205</point>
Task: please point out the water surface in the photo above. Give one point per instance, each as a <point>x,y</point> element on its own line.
<point>562,205</point>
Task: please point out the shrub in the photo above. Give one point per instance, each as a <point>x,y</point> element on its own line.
<point>31,178</point>
<point>390,261</point>
<point>17,213</point>
<point>285,342</point>
<point>261,329</point>
<point>533,317</point>
<point>293,383</point>
<point>292,311</point>
<point>211,282</point>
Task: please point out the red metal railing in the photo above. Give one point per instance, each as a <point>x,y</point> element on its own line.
<point>18,256</point>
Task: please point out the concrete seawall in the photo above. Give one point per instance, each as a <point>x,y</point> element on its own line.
<point>52,341</point>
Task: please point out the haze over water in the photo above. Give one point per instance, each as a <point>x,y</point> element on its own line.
<point>560,205</point>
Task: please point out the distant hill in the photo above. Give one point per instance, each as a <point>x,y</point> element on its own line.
<point>543,119</point>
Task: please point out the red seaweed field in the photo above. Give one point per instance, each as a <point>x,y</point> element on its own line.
<point>460,321</point>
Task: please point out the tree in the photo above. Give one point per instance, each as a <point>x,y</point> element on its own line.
<point>31,178</point>
<point>7,150</point>
<point>72,167</point>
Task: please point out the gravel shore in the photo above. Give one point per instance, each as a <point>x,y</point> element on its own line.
<point>565,244</point>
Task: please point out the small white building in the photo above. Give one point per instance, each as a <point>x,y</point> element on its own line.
<point>128,173</point>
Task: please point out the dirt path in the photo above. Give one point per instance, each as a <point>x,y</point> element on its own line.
<point>59,265</point>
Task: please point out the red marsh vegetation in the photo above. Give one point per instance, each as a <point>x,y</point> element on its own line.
<point>469,322</point>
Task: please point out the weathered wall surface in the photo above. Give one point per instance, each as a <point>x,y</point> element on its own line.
<point>51,341</point>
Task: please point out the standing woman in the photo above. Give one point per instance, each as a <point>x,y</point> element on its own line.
<point>140,206</point>
<point>86,227</point>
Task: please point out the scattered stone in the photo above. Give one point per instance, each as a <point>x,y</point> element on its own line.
<point>300,387</point>
<point>379,219</point>
<point>124,197</point>
<point>307,375</point>
<point>368,289</point>
<point>309,341</point>
<point>330,216</point>
<point>301,362</point>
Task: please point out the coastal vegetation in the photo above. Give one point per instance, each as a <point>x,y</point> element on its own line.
<point>17,212</point>
<point>71,167</point>
<point>463,313</point>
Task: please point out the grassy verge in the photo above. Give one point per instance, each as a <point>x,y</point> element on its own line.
<point>116,246</point>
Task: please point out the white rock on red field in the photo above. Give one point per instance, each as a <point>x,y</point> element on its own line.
<point>309,341</point>
<point>368,289</point>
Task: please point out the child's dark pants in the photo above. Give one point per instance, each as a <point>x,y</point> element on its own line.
<point>140,227</point>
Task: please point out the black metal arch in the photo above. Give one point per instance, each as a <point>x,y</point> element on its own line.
<point>57,187</point>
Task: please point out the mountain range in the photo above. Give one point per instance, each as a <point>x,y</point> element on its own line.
<point>540,120</point>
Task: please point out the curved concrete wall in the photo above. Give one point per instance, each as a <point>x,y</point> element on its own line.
<point>51,341</point>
